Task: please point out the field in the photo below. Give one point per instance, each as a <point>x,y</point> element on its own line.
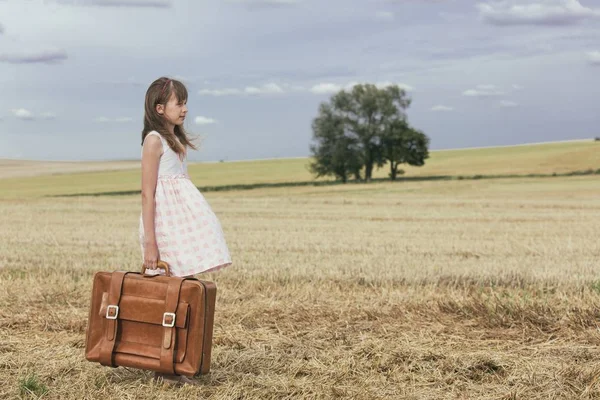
<point>421,289</point>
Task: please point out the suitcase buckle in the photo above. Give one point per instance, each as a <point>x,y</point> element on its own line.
<point>168,324</point>
<point>111,307</point>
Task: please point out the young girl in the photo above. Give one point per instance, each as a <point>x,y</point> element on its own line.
<point>177,224</point>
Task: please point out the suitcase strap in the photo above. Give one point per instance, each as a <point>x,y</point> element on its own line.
<point>112,313</point>
<point>167,351</point>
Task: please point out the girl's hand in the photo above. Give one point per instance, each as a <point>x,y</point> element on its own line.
<point>151,255</point>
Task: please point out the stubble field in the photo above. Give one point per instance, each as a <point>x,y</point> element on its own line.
<point>462,289</point>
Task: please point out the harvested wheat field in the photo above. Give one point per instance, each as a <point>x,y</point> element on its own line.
<point>462,289</point>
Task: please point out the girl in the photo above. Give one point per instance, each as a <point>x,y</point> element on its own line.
<point>177,224</point>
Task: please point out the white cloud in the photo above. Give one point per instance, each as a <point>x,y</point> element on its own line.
<point>329,88</point>
<point>517,87</point>
<point>281,2</point>
<point>385,15</point>
<point>441,108</point>
<point>269,88</point>
<point>483,91</point>
<point>1,29</point>
<point>293,88</point>
<point>200,120</point>
<point>594,57</point>
<point>266,3</point>
<point>48,115</point>
<point>274,88</point>
<point>325,88</point>
<point>22,113</point>
<point>49,56</point>
<point>541,12</point>
<point>118,119</point>
<point>119,3</point>
<point>403,86</point>
<point>133,3</point>
<point>220,92</point>
<point>508,104</point>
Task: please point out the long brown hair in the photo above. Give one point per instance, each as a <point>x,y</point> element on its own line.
<point>159,92</point>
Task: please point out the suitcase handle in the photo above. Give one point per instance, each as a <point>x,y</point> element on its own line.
<point>159,265</point>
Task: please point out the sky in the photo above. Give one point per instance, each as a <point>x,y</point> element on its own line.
<point>73,73</point>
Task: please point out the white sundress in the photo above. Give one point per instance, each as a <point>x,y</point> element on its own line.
<point>188,233</point>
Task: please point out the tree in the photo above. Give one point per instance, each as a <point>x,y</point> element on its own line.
<point>334,153</point>
<point>402,144</point>
<point>365,111</point>
<point>365,127</point>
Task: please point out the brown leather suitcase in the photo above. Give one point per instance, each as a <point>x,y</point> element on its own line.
<point>154,322</point>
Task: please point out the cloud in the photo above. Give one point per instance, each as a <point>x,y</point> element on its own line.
<point>324,88</point>
<point>269,88</point>
<point>50,56</point>
<point>1,29</point>
<point>402,86</point>
<point>293,88</point>
<point>266,3</point>
<point>120,3</point>
<point>483,91</point>
<point>516,87</point>
<point>441,108</point>
<point>23,114</point>
<point>542,12</point>
<point>118,119</point>
<point>277,89</point>
<point>200,120</point>
<point>330,88</point>
<point>48,115</point>
<point>594,57</point>
<point>220,92</point>
<point>385,15</point>
<point>508,104</point>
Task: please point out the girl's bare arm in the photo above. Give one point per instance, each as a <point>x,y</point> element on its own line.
<point>151,153</point>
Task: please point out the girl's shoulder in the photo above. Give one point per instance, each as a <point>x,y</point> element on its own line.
<point>155,133</point>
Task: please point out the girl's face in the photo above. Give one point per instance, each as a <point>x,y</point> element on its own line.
<point>174,111</point>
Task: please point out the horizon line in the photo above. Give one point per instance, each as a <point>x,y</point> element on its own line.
<point>294,158</point>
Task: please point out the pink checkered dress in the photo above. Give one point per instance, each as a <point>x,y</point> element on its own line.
<point>188,233</point>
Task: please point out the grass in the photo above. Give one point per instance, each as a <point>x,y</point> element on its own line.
<point>428,289</point>
<point>31,387</point>
<point>544,159</point>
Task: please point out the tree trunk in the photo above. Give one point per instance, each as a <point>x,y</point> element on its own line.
<point>393,170</point>
<point>368,161</point>
<point>368,170</point>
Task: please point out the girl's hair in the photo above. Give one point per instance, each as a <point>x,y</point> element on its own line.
<point>159,92</point>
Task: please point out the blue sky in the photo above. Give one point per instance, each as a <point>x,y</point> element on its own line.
<point>480,73</point>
